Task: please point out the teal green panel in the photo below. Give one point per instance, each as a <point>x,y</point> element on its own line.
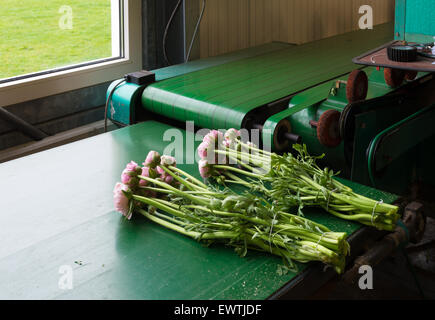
<point>419,18</point>
<point>399,21</point>
<point>63,214</point>
<point>419,38</point>
<point>221,96</point>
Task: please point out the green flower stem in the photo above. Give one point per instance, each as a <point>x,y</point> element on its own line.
<point>234,177</point>
<point>246,183</point>
<point>255,158</point>
<point>170,219</point>
<point>194,186</point>
<point>237,180</point>
<point>219,235</point>
<point>320,253</point>
<point>357,202</point>
<point>170,204</point>
<point>362,218</point>
<point>228,214</point>
<point>242,158</point>
<point>254,148</point>
<point>250,174</point>
<point>246,166</point>
<point>176,191</point>
<point>178,178</point>
<point>161,190</point>
<point>199,183</point>
<point>168,225</point>
<point>266,248</point>
<point>301,220</point>
<point>202,192</point>
<point>295,231</point>
<point>174,210</point>
<point>331,238</point>
<point>341,207</point>
<point>341,186</point>
<point>392,208</point>
<point>164,207</point>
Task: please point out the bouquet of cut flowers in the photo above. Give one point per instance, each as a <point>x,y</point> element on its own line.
<point>176,200</point>
<point>288,181</point>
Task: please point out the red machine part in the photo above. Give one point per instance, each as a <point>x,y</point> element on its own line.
<point>328,131</point>
<point>357,86</point>
<point>394,77</point>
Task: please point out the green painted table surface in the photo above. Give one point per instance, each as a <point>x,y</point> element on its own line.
<point>221,96</point>
<point>57,210</point>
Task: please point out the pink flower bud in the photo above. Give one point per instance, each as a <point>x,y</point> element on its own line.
<point>164,176</point>
<point>132,167</point>
<point>152,159</point>
<point>160,171</point>
<point>232,134</point>
<point>145,173</point>
<point>214,137</point>
<point>125,177</point>
<point>168,179</point>
<point>167,161</point>
<point>203,149</point>
<point>205,169</point>
<point>229,144</point>
<point>121,202</point>
<point>129,175</point>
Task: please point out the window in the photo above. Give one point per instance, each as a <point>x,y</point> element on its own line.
<point>48,47</point>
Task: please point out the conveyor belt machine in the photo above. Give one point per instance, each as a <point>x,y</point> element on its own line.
<point>375,124</point>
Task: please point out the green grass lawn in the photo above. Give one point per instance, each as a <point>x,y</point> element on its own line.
<point>31,39</point>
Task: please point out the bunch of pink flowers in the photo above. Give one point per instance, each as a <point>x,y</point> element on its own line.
<point>218,152</point>
<point>292,182</point>
<point>133,180</point>
<point>174,199</point>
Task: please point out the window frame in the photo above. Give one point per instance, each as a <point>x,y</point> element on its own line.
<point>73,78</point>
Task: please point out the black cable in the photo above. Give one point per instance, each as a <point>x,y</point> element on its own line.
<point>22,125</point>
<point>109,100</point>
<point>196,30</point>
<point>165,35</point>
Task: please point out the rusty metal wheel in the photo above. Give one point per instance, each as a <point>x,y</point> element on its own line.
<point>394,77</point>
<point>357,86</point>
<point>328,131</point>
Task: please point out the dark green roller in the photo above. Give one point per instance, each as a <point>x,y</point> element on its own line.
<point>221,96</point>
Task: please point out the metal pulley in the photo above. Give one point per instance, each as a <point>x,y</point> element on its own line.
<point>394,77</point>
<point>357,86</point>
<point>328,128</point>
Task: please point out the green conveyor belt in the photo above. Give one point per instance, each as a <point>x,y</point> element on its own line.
<point>57,210</point>
<point>201,64</point>
<point>221,96</point>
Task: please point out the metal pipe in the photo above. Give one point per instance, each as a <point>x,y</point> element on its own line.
<point>22,125</point>
<point>291,137</point>
<point>414,223</point>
